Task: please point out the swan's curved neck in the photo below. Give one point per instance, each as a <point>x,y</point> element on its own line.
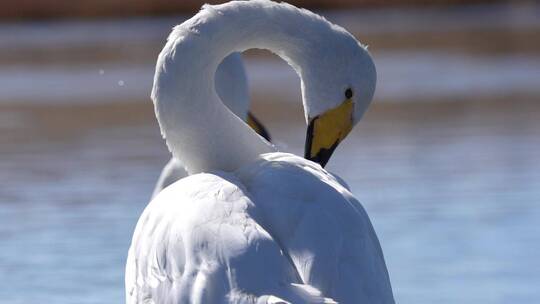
<point>199,130</point>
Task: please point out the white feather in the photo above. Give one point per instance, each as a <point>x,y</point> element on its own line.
<point>252,235</point>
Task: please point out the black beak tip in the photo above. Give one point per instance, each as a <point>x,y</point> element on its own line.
<point>323,156</point>
<point>260,129</point>
<point>265,134</point>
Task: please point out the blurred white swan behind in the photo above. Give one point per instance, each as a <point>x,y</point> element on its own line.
<point>232,88</point>
<point>253,225</point>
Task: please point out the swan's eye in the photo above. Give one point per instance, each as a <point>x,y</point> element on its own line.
<point>348,93</point>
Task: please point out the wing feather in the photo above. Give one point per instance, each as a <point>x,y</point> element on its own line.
<point>321,226</point>
<point>198,242</point>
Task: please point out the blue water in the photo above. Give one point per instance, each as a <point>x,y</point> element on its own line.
<point>454,197</point>
<point>447,162</point>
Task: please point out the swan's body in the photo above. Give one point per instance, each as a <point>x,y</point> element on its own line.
<point>259,225</point>
<point>232,88</point>
<point>210,238</point>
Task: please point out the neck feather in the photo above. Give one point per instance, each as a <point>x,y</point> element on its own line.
<point>199,130</point>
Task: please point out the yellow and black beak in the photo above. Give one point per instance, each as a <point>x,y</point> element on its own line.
<point>256,125</point>
<point>326,131</point>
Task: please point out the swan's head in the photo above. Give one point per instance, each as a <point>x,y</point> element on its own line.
<point>337,89</point>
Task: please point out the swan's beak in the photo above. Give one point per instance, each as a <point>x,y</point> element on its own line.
<point>256,125</point>
<point>327,130</point>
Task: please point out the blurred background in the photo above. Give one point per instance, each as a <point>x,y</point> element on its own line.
<point>446,161</point>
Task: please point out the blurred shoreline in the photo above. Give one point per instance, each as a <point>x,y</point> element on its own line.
<point>482,29</point>
<point>422,55</point>
<point>46,9</point>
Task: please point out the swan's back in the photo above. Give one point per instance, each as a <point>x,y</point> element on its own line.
<point>236,238</point>
<point>198,242</point>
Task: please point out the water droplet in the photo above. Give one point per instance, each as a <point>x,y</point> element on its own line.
<point>101,71</point>
<point>121,83</point>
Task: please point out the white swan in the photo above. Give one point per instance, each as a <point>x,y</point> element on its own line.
<point>259,226</point>
<point>232,88</point>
